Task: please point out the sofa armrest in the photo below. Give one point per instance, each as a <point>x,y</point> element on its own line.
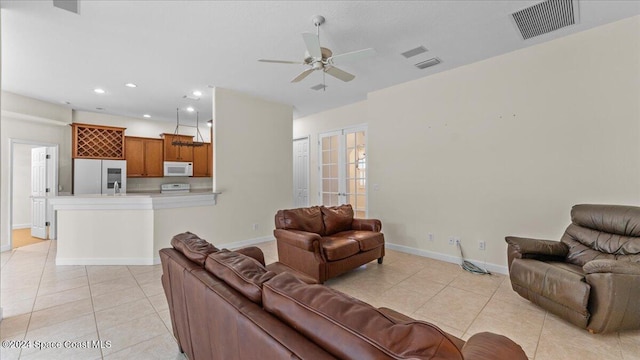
<point>252,252</point>
<point>538,247</point>
<point>489,346</point>
<point>300,239</point>
<point>611,266</point>
<point>366,224</point>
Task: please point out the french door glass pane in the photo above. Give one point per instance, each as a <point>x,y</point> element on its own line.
<point>343,170</point>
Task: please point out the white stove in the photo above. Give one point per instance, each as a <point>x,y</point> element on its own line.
<point>174,188</point>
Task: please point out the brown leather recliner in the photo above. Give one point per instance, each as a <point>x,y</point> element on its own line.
<point>324,242</point>
<point>592,276</point>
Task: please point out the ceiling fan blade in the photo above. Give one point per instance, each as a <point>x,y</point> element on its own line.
<point>281,61</point>
<point>351,56</point>
<point>302,75</point>
<point>339,74</point>
<point>312,43</point>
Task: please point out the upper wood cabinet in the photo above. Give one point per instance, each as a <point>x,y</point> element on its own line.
<point>202,160</point>
<point>176,152</point>
<point>97,142</point>
<point>144,157</point>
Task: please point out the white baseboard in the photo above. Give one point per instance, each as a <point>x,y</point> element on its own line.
<point>104,261</point>
<point>245,243</point>
<point>500,269</point>
<point>20,226</point>
<point>4,248</point>
<point>234,245</point>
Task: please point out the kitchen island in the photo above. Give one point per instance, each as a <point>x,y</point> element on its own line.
<point>126,229</point>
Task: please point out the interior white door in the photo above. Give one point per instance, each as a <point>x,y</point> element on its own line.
<point>39,192</point>
<point>343,175</point>
<point>301,172</point>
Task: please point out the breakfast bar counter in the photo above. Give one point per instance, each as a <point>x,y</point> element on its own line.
<point>126,229</point>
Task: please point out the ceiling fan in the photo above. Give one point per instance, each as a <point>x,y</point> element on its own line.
<point>321,58</point>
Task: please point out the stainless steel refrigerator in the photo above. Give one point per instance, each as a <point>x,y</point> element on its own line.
<point>99,176</point>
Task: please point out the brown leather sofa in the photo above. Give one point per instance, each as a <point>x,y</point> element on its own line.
<point>591,277</point>
<point>229,305</point>
<point>324,242</point>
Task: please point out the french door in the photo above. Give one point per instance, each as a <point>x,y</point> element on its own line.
<point>343,169</point>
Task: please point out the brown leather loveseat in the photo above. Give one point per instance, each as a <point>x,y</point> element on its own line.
<point>592,276</point>
<point>324,242</point>
<point>229,305</point>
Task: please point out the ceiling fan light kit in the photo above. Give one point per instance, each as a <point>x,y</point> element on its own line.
<point>321,58</point>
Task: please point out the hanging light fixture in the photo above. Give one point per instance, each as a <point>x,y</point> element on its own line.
<point>199,141</point>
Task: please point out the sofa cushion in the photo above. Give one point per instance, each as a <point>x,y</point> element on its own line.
<point>337,218</point>
<point>612,219</point>
<point>586,244</point>
<point>349,328</point>
<point>559,287</point>
<point>367,240</point>
<point>241,272</point>
<point>336,248</point>
<point>305,219</point>
<point>193,247</point>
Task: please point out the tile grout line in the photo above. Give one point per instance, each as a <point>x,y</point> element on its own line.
<point>544,321</point>
<point>483,307</point>
<point>36,296</point>
<point>93,310</point>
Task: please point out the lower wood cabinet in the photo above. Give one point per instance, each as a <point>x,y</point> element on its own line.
<point>144,157</point>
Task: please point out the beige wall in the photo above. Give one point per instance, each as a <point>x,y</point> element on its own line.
<point>504,146</point>
<point>35,121</point>
<point>253,165</point>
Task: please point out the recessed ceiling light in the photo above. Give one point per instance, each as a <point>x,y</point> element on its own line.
<point>99,108</point>
<point>130,85</point>
<point>190,109</point>
<point>146,115</point>
<point>98,91</point>
<point>197,93</point>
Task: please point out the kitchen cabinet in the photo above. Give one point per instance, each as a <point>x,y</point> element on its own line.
<point>202,160</point>
<point>176,152</point>
<point>144,157</point>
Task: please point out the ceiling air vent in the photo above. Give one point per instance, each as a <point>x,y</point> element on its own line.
<point>318,87</point>
<point>413,52</point>
<point>545,17</point>
<point>428,63</point>
<point>69,5</point>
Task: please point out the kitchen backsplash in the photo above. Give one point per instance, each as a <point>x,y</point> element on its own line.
<point>153,184</point>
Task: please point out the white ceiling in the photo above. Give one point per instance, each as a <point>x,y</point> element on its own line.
<point>170,48</point>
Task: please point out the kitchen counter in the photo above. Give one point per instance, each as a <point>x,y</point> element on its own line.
<point>126,229</point>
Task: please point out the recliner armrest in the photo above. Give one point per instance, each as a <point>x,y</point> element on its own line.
<point>300,239</point>
<point>489,346</point>
<point>537,246</point>
<point>611,266</point>
<point>366,224</point>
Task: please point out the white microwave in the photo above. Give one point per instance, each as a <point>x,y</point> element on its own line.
<point>178,168</point>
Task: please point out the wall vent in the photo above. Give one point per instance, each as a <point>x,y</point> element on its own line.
<point>545,17</point>
<point>69,5</point>
<point>428,63</point>
<point>319,87</point>
<point>413,52</point>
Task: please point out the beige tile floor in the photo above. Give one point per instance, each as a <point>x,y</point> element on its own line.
<point>126,306</point>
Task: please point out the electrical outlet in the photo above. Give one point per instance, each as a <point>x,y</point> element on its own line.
<point>254,227</point>
<point>451,240</point>
<point>430,236</point>
<point>457,239</point>
<point>482,245</point>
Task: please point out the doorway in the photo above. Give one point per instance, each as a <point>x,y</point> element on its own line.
<point>33,179</point>
<point>301,172</point>
<point>343,170</point>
